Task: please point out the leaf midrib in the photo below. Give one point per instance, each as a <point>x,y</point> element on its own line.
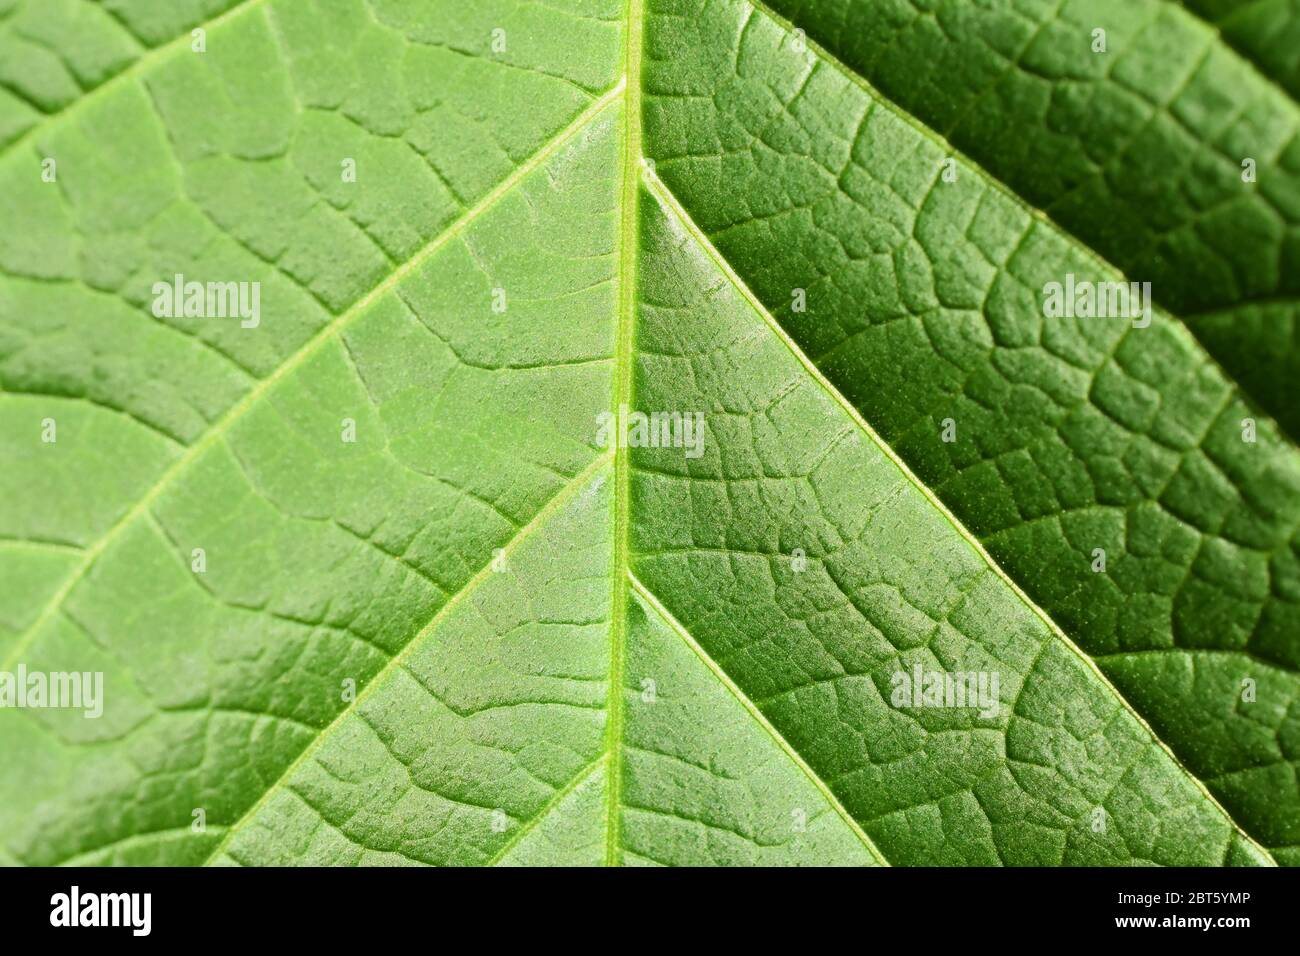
<point>629,254</point>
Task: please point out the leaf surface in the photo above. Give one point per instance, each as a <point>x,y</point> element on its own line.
<point>479,633</point>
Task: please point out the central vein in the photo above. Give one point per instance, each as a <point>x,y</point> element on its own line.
<point>631,165</point>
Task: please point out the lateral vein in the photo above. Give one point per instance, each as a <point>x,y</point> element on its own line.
<point>326,333</point>
<point>141,65</point>
<point>583,775</point>
<point>1246,56</point>
<point>670,201</point>
<point>752,709</point>
<point>1013,195</point>
<point>561,498</point>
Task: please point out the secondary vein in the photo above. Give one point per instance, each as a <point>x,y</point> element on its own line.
<point>752,709</point>
<point>326,333</point>
<point>139,66</point>
<point>582,776</point>
<point>561,498</point>
<point>672,204</point>
<point>1007,190</point>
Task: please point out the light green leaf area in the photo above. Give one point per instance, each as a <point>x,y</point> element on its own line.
<point>368,585</point>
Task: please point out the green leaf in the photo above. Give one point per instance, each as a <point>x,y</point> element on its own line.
<point>369,582</point>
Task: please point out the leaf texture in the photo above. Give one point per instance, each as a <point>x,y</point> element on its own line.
<point>478,633</point>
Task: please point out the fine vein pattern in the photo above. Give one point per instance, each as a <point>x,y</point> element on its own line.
<point>639,396</point>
